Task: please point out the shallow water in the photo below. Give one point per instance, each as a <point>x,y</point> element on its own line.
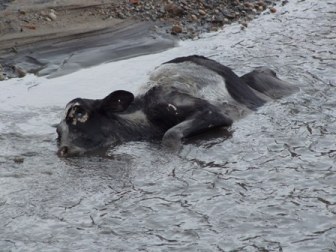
<point>268,187</point>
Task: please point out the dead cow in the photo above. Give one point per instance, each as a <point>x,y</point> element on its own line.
<point>183,97</point>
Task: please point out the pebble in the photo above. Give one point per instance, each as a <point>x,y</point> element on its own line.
<point>272,9</point>
<point>194,17</point>
<point>202,12</point>
<point>18,160</point>
<point>2,76</point>
<point>260,8</point>
<point>52,16</point>
<point>174,10</point>
<point>244,24</point>
<point>176,29</point>
<point>29,26</point>
<point>19,72</point>
<point>249,5</point>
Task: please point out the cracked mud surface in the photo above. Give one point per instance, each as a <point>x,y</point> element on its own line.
<point>268,187</point>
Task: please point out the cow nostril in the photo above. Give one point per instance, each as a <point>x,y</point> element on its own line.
<point>63,151</point>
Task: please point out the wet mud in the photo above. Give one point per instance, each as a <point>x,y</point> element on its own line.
<point>267,185</point>
<point>69,53</point>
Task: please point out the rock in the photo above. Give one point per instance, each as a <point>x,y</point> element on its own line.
<point>29,26</point>
<point>18,160</point>
<point>244,24</point>
<point>173,10</point>
<point>260,8</point>
<point>229,15</point>
<point>272,10</point>
<point>52,16</point>
<point>214,29</point>
<point>43,13</point>
<point>202,12</point>
<point>248,5</point>
<point>176,29</point>
<point>218,18</point>
<point>121,15</point>
<point>2,77</point>
<point>19,72</point>
<point>262,3</point>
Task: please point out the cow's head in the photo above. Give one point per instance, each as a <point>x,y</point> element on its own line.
<point>89,124</point>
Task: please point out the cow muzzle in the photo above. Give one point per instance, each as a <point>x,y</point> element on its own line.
<point>63,151</point>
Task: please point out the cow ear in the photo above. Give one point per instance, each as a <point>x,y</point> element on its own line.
<point>117,101</point>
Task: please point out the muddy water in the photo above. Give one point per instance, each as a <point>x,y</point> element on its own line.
<point>268,187</point>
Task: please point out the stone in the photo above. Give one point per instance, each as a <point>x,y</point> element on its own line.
<point>20,72</point>
<point>173,10</point>
<point>194,17</point>
<point>2,76</point>
<point>260,8</point>
<point>229,15</point>
<point>176,29</point>
<point>202,12</point>
<point>18,160</point>
<point>52,16</point>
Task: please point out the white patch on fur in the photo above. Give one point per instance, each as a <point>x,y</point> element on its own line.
<point>190,78</point>
<point>172,106</point>
<point>84,118</point>
<point>70,112</point>
<point>68,107</point>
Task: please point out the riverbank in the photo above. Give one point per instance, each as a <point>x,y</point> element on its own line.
<point>48,38</point>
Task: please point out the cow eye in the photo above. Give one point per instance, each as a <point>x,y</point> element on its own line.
<point>79,114</point>
<point>76,112</point>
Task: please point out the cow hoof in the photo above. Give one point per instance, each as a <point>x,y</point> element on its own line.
<point>172,142</point>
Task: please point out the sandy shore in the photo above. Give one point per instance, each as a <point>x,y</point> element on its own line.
<point>53,38</point>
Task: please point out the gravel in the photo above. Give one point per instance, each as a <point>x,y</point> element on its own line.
<point>188,18</point>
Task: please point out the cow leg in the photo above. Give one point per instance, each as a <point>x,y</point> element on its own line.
<point>265,81</point>
<point>197,123</point>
